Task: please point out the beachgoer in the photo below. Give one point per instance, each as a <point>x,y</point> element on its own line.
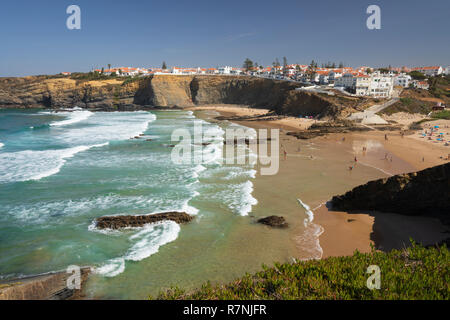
<point>285,154</point>
<point>385,137</point>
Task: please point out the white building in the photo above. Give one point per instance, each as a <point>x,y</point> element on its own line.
<point>447,70</point>
<point>430,71</point>
<point>362,85</point>
<point>381,85</point>
<point>373,85</point>
<point>403,80</point>
<point>346,81</point>
<point>333,75</point>
<point>225,70</point>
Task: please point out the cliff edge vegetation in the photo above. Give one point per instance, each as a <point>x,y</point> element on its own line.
<point>413,273</point>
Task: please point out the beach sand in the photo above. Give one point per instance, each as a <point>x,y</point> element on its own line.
<point>342,233</point>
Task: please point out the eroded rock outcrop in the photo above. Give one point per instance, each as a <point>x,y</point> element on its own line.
<point>167,91</point>
<point>425,192</point>
<point>118,222</point>
<point>50,286</point>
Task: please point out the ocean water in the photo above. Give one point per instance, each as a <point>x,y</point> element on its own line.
<point>61,170</point>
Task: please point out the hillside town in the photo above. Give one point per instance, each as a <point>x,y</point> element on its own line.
<point>361,81</point>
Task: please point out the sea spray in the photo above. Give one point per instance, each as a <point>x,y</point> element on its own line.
<point>72,117</point>
<point>146,242</point>
<point>35,165</point>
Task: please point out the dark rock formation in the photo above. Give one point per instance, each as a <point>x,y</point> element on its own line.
<point>339,126</point>
<point>274,221</point>
<point>118,222</point>
<point>424,193</point>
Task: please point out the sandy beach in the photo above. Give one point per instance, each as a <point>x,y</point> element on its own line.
<point>342,233</point>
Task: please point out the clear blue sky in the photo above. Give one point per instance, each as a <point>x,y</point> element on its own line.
<point>35,40</point>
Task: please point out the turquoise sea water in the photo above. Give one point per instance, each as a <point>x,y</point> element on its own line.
<point>59,171</point>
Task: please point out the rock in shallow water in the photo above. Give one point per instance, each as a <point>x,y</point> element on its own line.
<point>274,221</point>
<point>118,222</point>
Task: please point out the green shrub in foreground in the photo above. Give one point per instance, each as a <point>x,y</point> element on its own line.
<point>412,273</point>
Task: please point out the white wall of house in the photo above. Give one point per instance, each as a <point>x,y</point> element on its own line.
<point>346,81</point>
<point>381,85</point>
<point>403,80</point>
<point>225,70</point>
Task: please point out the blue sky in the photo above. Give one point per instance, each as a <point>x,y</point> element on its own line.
<point>35,40</point>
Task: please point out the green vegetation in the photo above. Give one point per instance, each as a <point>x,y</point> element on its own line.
<point>90,76</point>
<point>409,105</point>
<point>248,64</point>
<point>133,79</point>
<point>416,75</point>
<point>412,273</point>
<point>444,114</point>
<point>439,87</point>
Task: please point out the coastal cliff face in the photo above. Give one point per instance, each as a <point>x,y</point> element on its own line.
<point>424,193</point>
<point>166,91</point>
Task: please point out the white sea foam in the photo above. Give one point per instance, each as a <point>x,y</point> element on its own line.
<point>98,130</point>
<point>1,145</point>
<point>107,126</point>
<point>309,239</point>
<point>34,165</point>
<point>309,242</point>
<point>309,213</point>
<point>239,198</point>
<point>111,268</point>
<point>146,242</point>
<point>73,117</point>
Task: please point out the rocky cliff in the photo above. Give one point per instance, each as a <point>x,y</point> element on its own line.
<point>426,192</point>
<point>166,91</point>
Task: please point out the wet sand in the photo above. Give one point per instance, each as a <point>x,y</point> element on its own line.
<point>342,233</point>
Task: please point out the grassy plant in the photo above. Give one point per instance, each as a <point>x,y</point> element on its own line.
<point>444,114</point>
<point>413,273</point>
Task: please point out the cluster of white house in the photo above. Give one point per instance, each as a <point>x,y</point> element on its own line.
<point>360,81</point>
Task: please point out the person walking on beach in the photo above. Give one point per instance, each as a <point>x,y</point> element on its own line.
<point>285,155</point>
<point>385,137</point>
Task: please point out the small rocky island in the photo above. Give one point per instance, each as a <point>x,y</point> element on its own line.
<point>119,222</point>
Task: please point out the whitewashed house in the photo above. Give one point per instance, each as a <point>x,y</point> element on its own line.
<point>347,81</point>
<point>225,70</point>
<point>430,71</point>
<point>333,75</point>
<point>362,85</point>
<point>381,85</point>
<point>403,80</point>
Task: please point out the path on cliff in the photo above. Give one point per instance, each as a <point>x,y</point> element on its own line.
<point>369,116</point>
